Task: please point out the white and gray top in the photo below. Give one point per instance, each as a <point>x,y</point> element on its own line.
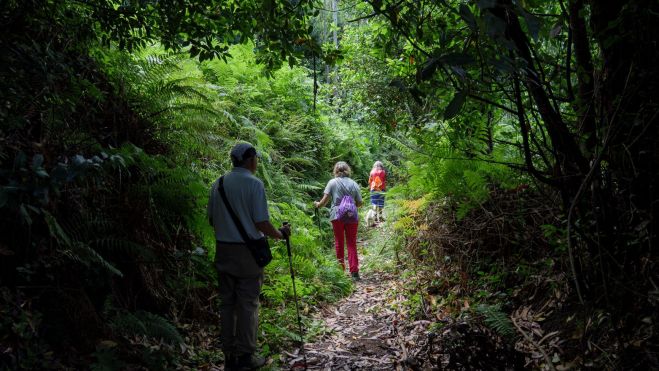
<point>339,187</point>
<point>246,195</point>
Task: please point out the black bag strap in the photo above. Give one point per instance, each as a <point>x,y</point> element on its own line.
<point>234,217</point>
<point>346,192</point>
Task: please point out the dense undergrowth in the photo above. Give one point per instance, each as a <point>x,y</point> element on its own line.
<point>499,228</point>
<point>492,282</point>
<point>106,161</point>
<point>491,278</point>
<point>519,136</point>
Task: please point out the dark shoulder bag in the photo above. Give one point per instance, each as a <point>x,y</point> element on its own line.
<point>259,248</point>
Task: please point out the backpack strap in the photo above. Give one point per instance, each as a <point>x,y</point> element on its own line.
<point>345,191</point>
<point>234,217</point>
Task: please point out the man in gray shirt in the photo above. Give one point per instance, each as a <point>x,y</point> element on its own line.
<point>240,278</point>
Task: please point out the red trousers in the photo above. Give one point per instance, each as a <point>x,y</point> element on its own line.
<point>350,233</point>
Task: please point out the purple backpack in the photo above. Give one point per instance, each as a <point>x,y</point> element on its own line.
<point>346,212</point>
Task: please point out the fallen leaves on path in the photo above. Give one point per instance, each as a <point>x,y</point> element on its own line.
<point>367,333</point>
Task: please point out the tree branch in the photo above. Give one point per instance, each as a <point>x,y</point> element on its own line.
<point>528,158</point>
<point>485,100</point>
<point>570,156</point>
<point>584,73</point>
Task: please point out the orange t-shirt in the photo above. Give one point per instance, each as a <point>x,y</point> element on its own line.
<point>377,179</point>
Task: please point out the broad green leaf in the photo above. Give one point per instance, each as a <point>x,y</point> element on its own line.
<point>19,161</point>
<point>468,17</point>
<point>41,173</point>
<point>486,4</point>
<point>456,104</point>
<point>25,215</point>
<point>37,161</point>
<point>429,68</point>
<point>56,230</point>
<point>457,59</point>
<point>533,23</point>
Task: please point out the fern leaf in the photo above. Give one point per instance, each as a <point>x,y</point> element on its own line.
<point>496,319</point>
<point>145,324</point>
<point>124,246</point>
<point>87,256</point>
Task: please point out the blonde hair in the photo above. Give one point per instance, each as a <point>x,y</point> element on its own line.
<point>378,165</point>
<point>342,169</point>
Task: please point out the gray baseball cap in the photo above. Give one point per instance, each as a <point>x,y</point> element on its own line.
<point>244,150</point>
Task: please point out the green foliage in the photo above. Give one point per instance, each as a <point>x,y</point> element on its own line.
<point>107,359</point>
<point>111,135</point>
<point>556,237</point>
<point>147,324</point>
<point>496,319</point>
<point>19,326</point>
<point>274,114</point>
<point>452,149</point>
<point>443,172</point>
<point>280,27</point>
<point>105,183</point>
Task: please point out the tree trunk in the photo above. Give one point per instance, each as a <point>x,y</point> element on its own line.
<point>627,34</point>
<point>585,88</point>
<point>571,164</point>
<point>335,39</point>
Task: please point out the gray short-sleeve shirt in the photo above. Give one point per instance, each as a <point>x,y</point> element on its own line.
<point>339,187</point>
<point>246,195</point>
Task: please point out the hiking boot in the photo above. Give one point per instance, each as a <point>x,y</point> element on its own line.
<point>247,362</point>
<point>355,276</point>
<point>229,361</point>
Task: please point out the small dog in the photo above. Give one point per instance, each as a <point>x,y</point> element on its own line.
<point>369,219</point>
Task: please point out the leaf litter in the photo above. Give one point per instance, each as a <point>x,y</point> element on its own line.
<point>367,331</point>
<point>378,328</point>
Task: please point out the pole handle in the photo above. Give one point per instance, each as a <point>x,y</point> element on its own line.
<point>285,223</point>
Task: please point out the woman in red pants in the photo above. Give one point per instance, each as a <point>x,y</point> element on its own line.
<point>336,189</point>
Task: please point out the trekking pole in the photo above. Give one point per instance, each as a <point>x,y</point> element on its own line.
<point>320,230</point>
<point>297,306</point>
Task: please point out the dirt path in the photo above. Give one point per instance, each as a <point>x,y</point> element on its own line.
<point>366,332</point>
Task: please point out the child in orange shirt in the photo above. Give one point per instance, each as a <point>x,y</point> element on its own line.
<point>377,185</point>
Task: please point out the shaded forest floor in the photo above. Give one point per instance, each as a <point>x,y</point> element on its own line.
<point>368,330</point>
<point>452,307</point>
<point>384,325</point>
<point>365,331</point>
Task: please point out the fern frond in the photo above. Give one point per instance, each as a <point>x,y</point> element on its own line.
<point>496,319</point>
<point>87,256</point>
<point>293,335</point>
<point>166,90</point>
<point>308,186</point>
<point>56,231</point>
<point>123,246</point>
<point>158,327</point>
<point>405,148</point>
<point>145,324</point>
<point>300,161</point>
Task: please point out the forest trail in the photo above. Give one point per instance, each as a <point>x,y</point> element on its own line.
<point>365,331</point>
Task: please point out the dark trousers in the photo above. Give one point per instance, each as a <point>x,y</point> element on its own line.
<point>239,313</point>
<point>240,286</point>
